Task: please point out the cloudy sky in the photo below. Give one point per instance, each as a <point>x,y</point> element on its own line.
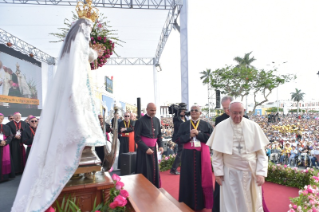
<point>276,31</point>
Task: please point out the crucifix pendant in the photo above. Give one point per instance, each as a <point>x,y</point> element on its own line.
<point>239,148</point>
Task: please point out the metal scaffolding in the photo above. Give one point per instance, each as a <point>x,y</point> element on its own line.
<point>173,6</point>
<point>122,4</point>
<point>25,48</point>
<point>129,61</point>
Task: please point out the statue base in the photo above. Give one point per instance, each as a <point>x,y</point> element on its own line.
<point>87,190</point>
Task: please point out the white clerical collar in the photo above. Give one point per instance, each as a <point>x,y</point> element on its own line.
<point>195,120</point>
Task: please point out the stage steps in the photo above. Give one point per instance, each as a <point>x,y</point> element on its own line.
<point>182,206</point>
<point>145,197</point>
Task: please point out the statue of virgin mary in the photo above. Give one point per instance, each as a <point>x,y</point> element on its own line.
<point>68,123</point>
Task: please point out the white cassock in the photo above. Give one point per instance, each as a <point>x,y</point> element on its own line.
<point>23,86</point>
<point>239,156</point>
<point>5,78</point>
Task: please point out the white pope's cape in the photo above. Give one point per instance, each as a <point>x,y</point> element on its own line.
<point>222,138</point>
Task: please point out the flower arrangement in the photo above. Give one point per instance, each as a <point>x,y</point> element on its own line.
<point>288,176</point>
<point>166,162</point>
<point>118,196</point>
<point>308,200</point>
<point>103,39</point>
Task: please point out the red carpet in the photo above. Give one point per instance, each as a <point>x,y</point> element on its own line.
<point>276,196</point>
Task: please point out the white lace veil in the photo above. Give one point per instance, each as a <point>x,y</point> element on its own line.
<point>68,123</point>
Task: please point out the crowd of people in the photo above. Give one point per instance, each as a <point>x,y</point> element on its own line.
<point>14,137</point>
<point>294,139</point>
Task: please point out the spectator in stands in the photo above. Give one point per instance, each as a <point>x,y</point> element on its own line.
<point>29,133</point>
<point>293,155</point>
<point>170,149</point>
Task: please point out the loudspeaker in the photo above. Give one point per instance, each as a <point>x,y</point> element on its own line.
<point>217,98</point>
<point>128,163</point>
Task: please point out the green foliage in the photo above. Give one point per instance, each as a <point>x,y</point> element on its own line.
<point>295,111</point>
<point>105,32</point>
<point>245,61</point>
<point>68,204</point>
<point>273,110</point>
<point>234,81</point>
<point>297,96</point>
<point>166,162</point>
<point>205,76</point>
<point>292,177</point>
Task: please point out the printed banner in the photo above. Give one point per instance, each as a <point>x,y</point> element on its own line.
<point>18,100</point>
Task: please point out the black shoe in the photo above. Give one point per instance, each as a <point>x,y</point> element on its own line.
<point>174,172</point>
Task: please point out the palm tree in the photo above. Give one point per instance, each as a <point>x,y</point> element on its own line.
<point>297,97</point>
<point>206,76</point>
<point>206,80</point>
<point>245,61</point>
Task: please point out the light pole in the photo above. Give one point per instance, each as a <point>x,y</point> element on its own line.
<point>278,102</point>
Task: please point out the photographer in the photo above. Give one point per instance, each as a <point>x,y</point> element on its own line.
<point>178,119</point>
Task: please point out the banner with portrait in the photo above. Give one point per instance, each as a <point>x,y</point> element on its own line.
<point>20,83</point>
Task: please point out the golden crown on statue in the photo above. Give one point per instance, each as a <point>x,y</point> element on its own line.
<point>87,11</point>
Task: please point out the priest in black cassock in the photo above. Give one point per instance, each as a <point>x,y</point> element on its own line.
<point>147,133</point>
<point>125,128</point>
<point>6,166</point>
<point>29,133</point>
<point>196,186</point>
<point>16,147</point>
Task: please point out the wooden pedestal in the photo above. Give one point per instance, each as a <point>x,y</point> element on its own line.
<point>86,191</point>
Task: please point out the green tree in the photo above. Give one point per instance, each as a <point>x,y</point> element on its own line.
<point>245,61</point>
<point>297,97</point>
<point>266,82</point>
<point>205,76</point>
<point>273,110</point>
<point>234,81</point>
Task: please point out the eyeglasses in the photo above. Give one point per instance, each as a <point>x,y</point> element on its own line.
<point>34,121</point>
<point>194,110</point>
<point>10,118</point>
<point>126,116</point>
<point>100,118</point>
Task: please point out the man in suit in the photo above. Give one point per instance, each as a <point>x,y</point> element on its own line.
<point>226,100</point>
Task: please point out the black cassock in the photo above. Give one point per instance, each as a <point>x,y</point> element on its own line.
<point>190,186</point>
<point>148,164</point>
<point>27,138</point>
<point>16,147</point>
<point>124,141</point>
<point>5,130</point>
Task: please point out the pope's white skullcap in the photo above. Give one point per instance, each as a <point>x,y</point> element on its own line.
<point>236,101</point>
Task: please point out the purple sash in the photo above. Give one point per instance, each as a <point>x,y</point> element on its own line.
<point>207,173</point>
<point>6,162</point>
<point>150,142</point>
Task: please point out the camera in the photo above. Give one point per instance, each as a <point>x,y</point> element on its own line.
<point>176,108</point>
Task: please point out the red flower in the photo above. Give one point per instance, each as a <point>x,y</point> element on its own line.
<point>113,204</point>
<point>124,193</point>
<point>121,201</point>
<point>99,38</point>
<point>119,185</point>
<point>116,177</point>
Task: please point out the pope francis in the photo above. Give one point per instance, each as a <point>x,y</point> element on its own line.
<point>239,161</point>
